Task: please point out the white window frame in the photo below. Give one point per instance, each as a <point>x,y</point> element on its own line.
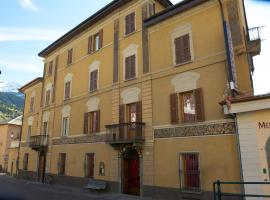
<point>96,41</point>
<point>93,67</point>
<point>68,78</point>
<point>65,114</point>
<point>180,161</point>
<point>178,32</point>
<point>135,27</point>
<point>65,127</point>
<point>131,50</point>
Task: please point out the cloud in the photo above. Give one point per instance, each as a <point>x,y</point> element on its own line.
<point>29,34</point>
<point>28,4</point>
<point>20,63</point>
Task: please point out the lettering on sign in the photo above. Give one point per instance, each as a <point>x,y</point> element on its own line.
<point>264,125</point>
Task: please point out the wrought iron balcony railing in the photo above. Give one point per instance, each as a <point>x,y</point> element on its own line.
<point>132,132</point>
<point>38,141</point>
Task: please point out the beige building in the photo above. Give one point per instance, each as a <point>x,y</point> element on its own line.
<point>9,142</point>
<point>131,97</point>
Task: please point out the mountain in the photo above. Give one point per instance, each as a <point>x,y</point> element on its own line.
<point>9,87</point>
<point>11,105</point>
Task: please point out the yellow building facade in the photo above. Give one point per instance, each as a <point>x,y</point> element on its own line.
<point>130,97</point>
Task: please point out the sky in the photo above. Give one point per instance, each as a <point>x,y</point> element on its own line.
<point>28,26</point>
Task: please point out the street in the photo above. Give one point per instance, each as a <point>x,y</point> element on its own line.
<point>16,189</point>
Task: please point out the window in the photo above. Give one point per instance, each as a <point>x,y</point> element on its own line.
<point>130,67</point>
<point>47,97</point>
<point>151,9</point>
<point>92,122</point>
<point>190,105</point>
<point>182,49</point>
<point>69,58</point>
<point>93,80</point>
<point>65,126</point>
<point>67,90</point>
<point>25,161</point>
<point>45,128</point>
<point>89,165</point>
<point>95,42</point>
<point>32,101</point>
<point>29,132</point>
<point>189,171</point>
<point>130,112</point>
<point>50,70</point>
<point>62,164</point>
<point>130,23</point>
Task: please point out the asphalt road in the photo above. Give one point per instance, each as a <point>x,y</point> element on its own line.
<point>15,189</point>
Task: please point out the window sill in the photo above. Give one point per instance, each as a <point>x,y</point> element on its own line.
<point>93,91</point>
<point>184,63</point>
<point>129,34</point>
<point>94,51</point>
<point>185,191</point>
<point>130,79</point>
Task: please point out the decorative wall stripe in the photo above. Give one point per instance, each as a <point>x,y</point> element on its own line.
<point>199,130</point>
<point>79,140</point>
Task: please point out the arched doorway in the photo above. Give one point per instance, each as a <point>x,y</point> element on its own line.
<point>267,149</point>
<point>131,172</point>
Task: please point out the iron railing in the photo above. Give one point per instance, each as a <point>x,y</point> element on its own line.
<point>218,194</point>
<point>38,141</point>
<point>254,33</point>
<point>125,132</point>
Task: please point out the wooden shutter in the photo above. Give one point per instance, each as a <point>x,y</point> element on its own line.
<point>139,111</point>
<point>69,59</point>
<point>127,24</point>
<point>90,44</point>
<point>122,113</point>
<point>100,38</point>
<point>132,22</point>
<point>98,121</point>
<point>132,66</point>
<point>198,94</point>
<point>182,49</point>
<point>85,126</point>
<point>186,43</point>
<point>115,50</point>
<point>127,68</point>
<point>174,108</point>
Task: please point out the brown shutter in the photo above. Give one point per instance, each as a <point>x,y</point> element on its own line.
<point>122,113</point>
<point>186,49</point>
<point>54,78</point>
<point>100,38</point>
<point>98,121</point>
<point>174,108</point>
<point>91,81</point>
<point>115,50</point>
<point>139,111</point>
<point>127,24</point>
<point>132,66</point>
<point>132,22</point>
<point>178,50</point>
<point>90,44</point>
<point>67,90</point>
<point>85,126</point>
<point>198,94</point>
<point>127,68</point>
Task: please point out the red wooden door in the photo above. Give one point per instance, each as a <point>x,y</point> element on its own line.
<point>90,165</point>
<point>41,167</point>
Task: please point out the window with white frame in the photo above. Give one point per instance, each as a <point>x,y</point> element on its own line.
<point>130,23</point>
<point>182,45</point>
<point>32,102</point>
<point>45,128</point>
<point>189,171</point>
<point>67,90</point>
<point>65,126</point>
<point>48,93</point>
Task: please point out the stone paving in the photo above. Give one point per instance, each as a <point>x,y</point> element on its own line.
<point>16,189</point>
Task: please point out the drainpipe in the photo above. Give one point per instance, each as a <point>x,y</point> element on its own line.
<point>226,45</point>
<point>20,139</point>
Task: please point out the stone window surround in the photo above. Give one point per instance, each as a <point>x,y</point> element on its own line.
<point>49,87</point>
<point>178,32</point>
<point>94,66</point>
<point>135,27</point>
<point>130,50</point>
<point>130,95</point>
<point>92,104</point>
<point>186,81</point>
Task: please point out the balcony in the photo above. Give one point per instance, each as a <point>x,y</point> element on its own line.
<point>254,41</point>
<point>38,141</point>
<point>125,133</point>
